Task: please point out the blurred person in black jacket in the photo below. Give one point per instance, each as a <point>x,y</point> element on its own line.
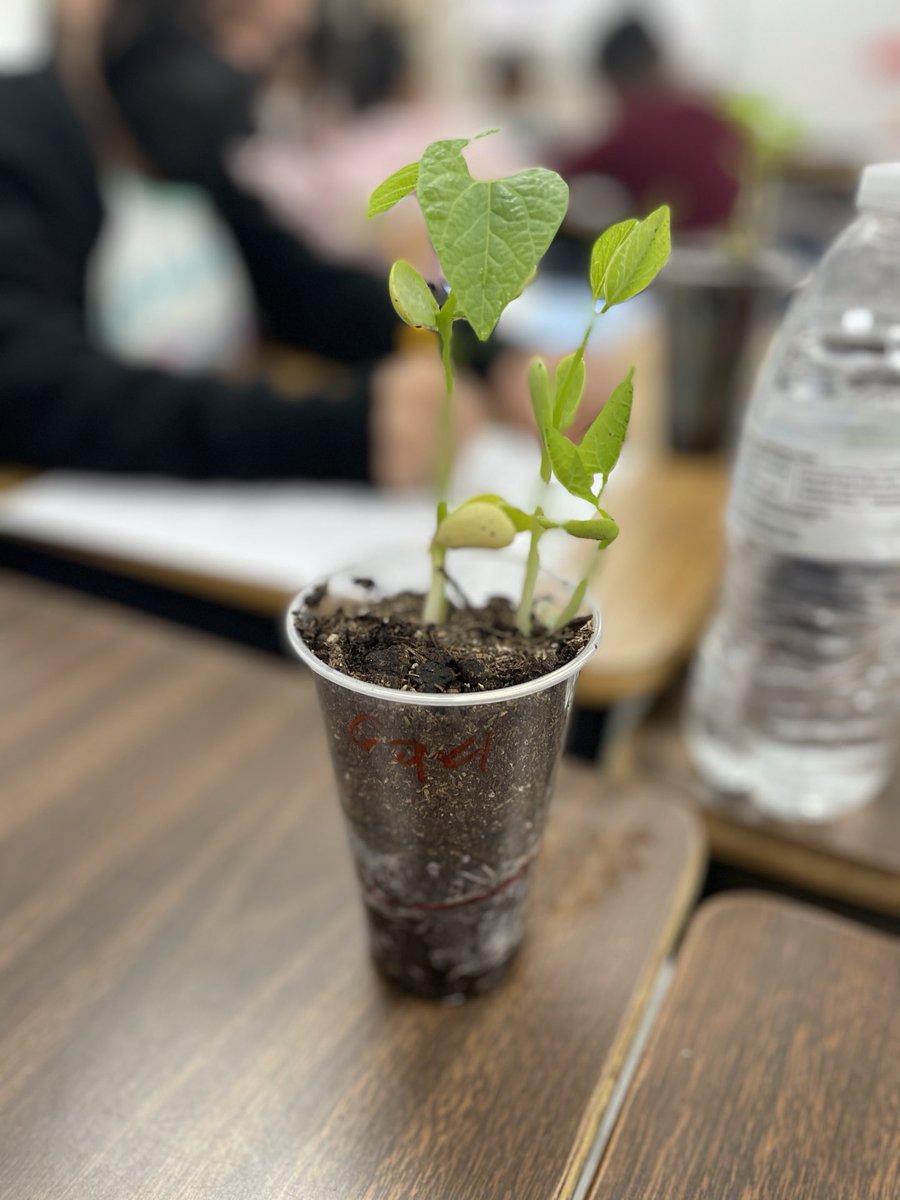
<point>167,86</point>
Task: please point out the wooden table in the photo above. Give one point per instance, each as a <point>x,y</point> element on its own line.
<point>186,1005</point>
<point>773,1072</point>
<point>655,590</point>
<point>659,582</point>
<point>854,859</point>
<point>11,475</point>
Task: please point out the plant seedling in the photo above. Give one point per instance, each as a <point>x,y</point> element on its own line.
<point>489,237</point>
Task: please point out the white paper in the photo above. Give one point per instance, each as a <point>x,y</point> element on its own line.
<point>279,535</point>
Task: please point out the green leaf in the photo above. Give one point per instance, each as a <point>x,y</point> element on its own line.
<point>568,467</point>
<point>539,387</point>
<point>601,445</point>
<point>568,389</point>
<point>476,524</point>
<point>393,189</point>
<point>443,177</point>
<point>411,297</point>
<point>489,236</point>
<point>602,530</point>
<point>638,259</point>
<point>523,521</point>
<point>604,248</point>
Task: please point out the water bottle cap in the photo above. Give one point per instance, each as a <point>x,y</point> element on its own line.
<point>879,187</point>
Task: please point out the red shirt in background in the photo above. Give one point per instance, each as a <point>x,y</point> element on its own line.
<point>670,149</point>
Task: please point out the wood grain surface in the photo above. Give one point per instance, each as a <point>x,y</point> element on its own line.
<point>855,858</point>
<point>186,1005</point>
<point>11,475</point>
<point>658,583</point>
<point>773,1072</point>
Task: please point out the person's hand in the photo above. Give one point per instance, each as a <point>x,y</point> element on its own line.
<point>407,394</point>
<point>82,16</point>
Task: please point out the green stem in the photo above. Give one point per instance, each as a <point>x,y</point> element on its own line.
<point>587,333</point>
<point>435,609</point>
<point>572,607</point>
<point>445,425</point>
<point>523,613</point>
<point>579,353</point>
<point>578,595</point>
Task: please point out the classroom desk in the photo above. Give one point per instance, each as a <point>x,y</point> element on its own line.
<point>655,588</point>
<point>11,475</point>
<point>854,859</point>
<point>186,1004</point>
<point>773,1071</point>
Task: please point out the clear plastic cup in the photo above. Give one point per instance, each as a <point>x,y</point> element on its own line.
<point>445,796</point>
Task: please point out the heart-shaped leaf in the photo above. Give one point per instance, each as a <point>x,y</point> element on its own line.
<point>567,466</point>
<point>411,297</point>
<point>601,445</point>
<point>394,189</point>
<point>488,235</point>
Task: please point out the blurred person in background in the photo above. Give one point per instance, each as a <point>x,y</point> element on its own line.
<point>367,107</point>
<point>159,91</point>
<point>669,144</point>
<point>371,109</point>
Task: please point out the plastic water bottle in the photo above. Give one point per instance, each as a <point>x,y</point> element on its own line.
<point>794,692</point>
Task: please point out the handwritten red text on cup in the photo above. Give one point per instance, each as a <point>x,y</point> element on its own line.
<point>408,752</point>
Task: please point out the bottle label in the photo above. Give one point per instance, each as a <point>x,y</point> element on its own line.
<point>837,503</point>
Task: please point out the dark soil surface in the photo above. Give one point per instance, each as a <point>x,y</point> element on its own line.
<point>478,649</point>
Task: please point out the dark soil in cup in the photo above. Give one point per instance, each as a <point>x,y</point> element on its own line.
<point>452,951</point>
<point>477,649</point>
<point>445,803</point>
